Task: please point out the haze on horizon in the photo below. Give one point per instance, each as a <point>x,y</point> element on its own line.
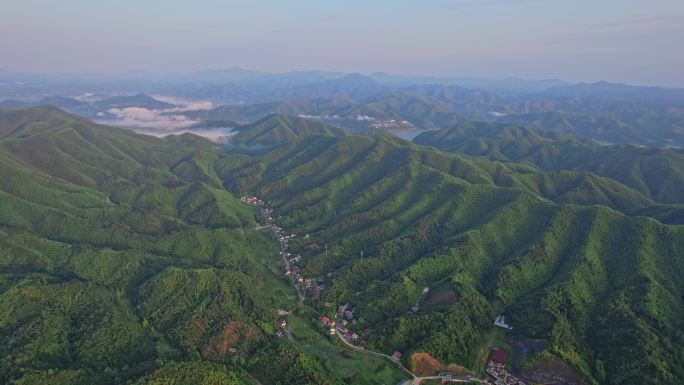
<point>628,41</point>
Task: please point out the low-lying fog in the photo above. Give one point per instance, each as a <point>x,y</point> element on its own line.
<point>163,122</point>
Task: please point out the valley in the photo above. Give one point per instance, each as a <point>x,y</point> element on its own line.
<point>412,253</point>
<point>379,192</point>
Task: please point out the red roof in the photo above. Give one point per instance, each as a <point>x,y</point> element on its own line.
<point>325,319</point>
<point>499,356</point>
<point>396,355</point>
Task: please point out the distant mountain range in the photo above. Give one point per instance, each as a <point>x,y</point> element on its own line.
<point>604,112</point>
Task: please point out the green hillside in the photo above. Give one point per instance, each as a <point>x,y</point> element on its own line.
<point>601,287</point>
<point>656,173</point>
<point>122,260</point>
<point>128,259</point>
<point>279,129</point>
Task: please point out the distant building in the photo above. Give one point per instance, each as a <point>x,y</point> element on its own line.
<point>500,321</point>
<point>396,355</point>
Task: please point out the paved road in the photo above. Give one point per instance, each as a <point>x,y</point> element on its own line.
<point>283,249</point>
<point>385,356</point>
<point>415,380</point>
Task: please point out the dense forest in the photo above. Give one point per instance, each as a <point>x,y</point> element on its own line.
<point>123,260</point>
<point>654,172</point>
<point>602,287</point>
<point>128,259</point>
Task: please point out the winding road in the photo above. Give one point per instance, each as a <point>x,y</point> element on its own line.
<point>415,380</point>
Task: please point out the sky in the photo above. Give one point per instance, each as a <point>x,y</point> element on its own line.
<point>632,41</point>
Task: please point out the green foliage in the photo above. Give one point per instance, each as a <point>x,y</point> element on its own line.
<point>422,217</point>
<point>279,129</point>
<point>657,174</point>
<point>123,259</point>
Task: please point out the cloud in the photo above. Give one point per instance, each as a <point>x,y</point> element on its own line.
<point>306,116</point>
<point>363,118</point>
<point>146,118</point>
<point>163,119</point>
<point>184,104</point>
<point>164,122</point>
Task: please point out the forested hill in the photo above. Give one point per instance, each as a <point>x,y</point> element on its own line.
<point>123,260</point>
<point>279,129</point>
<point>656,173</point>
<point>602,287</point>
<point>127,259</point>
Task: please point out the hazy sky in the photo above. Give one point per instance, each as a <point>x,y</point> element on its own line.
<point>635,41</point>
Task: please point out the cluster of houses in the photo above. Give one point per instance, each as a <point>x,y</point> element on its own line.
<point>347,326</point>
<point>254,201</point>
<point>303,284</point>
<point>497,370</point>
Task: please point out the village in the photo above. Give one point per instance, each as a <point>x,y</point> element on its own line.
<point>343,322</point>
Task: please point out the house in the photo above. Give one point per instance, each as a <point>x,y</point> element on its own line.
<point>342,308</point>
<point>426,289</point>
<point>326,320</point>
<point>500,321</point>
<point>396,355</point>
